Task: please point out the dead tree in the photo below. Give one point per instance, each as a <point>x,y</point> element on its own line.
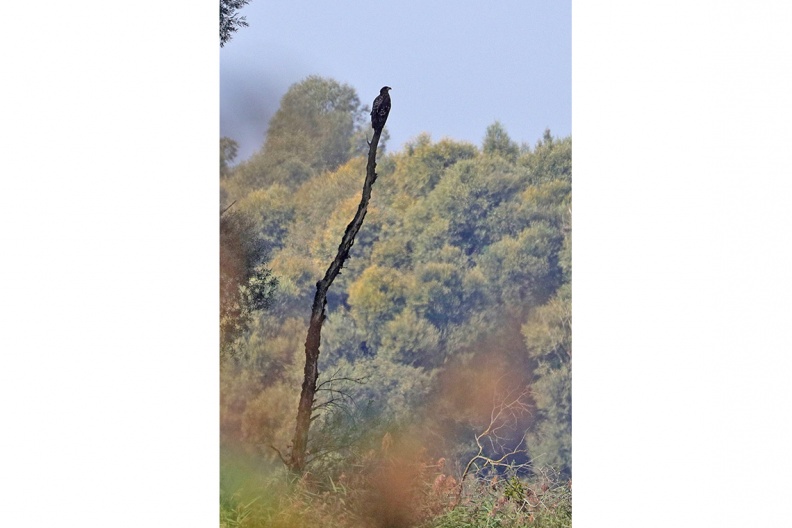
<point>297,458</point>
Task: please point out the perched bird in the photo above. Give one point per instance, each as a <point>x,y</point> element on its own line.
<point>380,109</point>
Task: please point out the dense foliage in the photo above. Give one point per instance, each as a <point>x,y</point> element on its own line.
<point>230,21</point>
<point>456,296</point>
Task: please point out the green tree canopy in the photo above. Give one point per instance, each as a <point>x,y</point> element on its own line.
<point>498,143</point>
<point>246,283</point>
<point>464,260</point>
<point>422,164</point>
<point>548,338</point>
<point>316,128</point>
<point>228,152</point>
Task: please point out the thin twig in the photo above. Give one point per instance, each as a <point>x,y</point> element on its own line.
<point>280,455</point>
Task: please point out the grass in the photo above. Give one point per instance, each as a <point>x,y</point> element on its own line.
<point>383,494</point>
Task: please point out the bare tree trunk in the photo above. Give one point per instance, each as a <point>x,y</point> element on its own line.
<point>297,459</point>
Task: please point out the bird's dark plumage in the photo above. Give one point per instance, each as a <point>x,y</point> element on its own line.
<point>380,109</point>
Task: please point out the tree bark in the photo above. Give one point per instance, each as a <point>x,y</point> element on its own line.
<point>297,458</point>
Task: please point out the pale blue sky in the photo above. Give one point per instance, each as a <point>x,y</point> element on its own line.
<point>455,67</point>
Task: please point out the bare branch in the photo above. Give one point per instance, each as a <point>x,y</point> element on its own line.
<point>280,455</point>
<point>332,380</point>
<point>506,410</point>
<point>227,208</point>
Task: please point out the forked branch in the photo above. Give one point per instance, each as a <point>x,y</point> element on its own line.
<point>506,410</point>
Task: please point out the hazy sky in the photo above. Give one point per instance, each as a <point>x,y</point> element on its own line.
<point>455,67</point>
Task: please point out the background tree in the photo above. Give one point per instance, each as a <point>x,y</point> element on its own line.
<point>246,284</point>
<point>497,142</point>
<point>317,128</point>
<point>548,338</point>
<point>421,165</point>
<point>228,153</point>
<point>460,282</point>
<point>230,21</point>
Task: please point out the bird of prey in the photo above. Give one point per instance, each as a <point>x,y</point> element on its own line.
<point>380,109</point>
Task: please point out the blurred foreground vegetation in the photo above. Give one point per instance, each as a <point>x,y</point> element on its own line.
<point>389,493</point>
<point>448,332</point>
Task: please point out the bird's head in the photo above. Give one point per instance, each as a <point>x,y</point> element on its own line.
<point>385,89</point>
